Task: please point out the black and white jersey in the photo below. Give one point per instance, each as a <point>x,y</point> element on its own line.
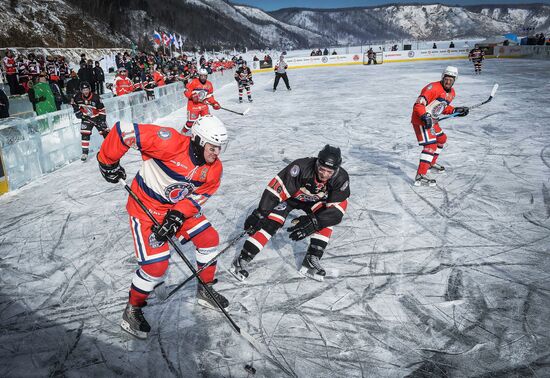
<point>297,184</point>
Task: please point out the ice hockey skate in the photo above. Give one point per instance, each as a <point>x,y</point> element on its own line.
<point>204,299</point>
<point>438,168</point>
<point>84,157</point>
<point>311,267</point>
<point>238,268</point>
<point>423,180</point>
<point>134,322</point>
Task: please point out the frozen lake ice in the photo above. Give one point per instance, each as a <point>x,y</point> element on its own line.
<point>446,281</point>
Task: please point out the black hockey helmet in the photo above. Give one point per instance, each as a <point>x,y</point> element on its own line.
<point>330,157</point>
<point>85,85</point>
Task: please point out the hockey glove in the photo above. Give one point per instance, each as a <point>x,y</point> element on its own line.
<point>78,114</point>
<point>195,98</point>
<point>111,172</point>
<point>303,227</point>
<point>462,110</point>
<point>251,82</point>
<point>170,225</point>
<point>216,106</point>
<point>427,119</point>
<point>254,222</point>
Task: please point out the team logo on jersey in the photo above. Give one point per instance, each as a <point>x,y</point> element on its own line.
<point>164,134</point>
<point>203,174</point>
<point>177,192</point>
<point>280,207</point>
<point>295,171</point>
<point>154,243</point>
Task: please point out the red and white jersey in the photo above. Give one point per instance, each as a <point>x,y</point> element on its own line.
<point>10,66</point>
<point>34,68</point>
<point>171,176</point>
<point>23,68</point>
<point>52,70</point>
<point>205,91</point>
<point>433,99</point>
<point>123,85</point>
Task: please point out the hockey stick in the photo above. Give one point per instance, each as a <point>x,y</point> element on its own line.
<point>493,92</point>
<point>233,111</point>
<point>252,341</point>
<point>214,259</point>
<point>185,260</point>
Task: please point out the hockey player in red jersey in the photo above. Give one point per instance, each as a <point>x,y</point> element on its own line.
<point>319,187</point>
<point>87,106</point>
<point>200,94</point>
<point>434,100</point>
<point>122,84</point>
<point>178,175</point>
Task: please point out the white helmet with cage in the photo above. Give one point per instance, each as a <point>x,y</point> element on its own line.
<point>209,129</point>
<point>451,71</point>
<point>203,71</point>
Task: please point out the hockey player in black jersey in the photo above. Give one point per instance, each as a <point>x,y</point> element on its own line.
<point>87,106</point>
<point>243,76</point>
<point>318,186</point>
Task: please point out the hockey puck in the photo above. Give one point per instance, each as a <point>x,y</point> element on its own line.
<point>250,369</point>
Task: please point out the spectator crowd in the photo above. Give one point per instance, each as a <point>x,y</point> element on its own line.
<point>49,81</point>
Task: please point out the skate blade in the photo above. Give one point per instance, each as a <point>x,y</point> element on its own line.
<point>418,183</point>
<point>204,303</point>
<point>126,327</point>
<point>237,275</point>
<point>306,273</point>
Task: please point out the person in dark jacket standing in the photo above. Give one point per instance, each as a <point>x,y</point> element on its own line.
<point>73,85</point>
<point>86,73</point>
<point>99,79</point>
<point>4,105</point>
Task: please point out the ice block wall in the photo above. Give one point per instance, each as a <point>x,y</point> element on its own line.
<point>36,146</point>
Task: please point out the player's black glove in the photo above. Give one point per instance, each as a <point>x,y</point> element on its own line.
<point>254,222</point>
<point>111,172</point>
<point>170,225</point>
<point>427,119</point>
<point>462,110</point>
<point>303,227</point>
<point>251,82</point>
<point>78,114</point>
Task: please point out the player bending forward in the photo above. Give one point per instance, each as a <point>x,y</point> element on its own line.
<point>178,175</point>
<point>434,100</point>
<point>318,186</point>
<point>243,76</point>
<point>200,94</point>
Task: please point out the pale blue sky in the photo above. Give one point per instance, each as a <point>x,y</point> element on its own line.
<point>273,5</point>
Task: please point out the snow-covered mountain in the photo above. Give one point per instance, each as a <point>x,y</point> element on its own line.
<point>220,24</point>
<point>434,21</point>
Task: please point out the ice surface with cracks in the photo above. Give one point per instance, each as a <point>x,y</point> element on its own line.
<point>444,281</point>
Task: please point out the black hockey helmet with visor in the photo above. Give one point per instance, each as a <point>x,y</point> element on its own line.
<point>329,157</point>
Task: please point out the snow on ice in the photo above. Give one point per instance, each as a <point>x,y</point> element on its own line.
<point>447,281</point>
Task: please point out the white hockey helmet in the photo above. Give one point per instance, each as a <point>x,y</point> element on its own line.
<point>203,71</point>
<point>209,129</point>
<point>451,71</point>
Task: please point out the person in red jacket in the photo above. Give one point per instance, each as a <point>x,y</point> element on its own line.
<point>10,69</point>
<point>122,84</point>
<point>159,78</point>
<point>200,94</point>
<point>178,175</point>
<point>434,100</point>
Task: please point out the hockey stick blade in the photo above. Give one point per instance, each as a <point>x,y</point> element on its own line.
<point>246,111</point>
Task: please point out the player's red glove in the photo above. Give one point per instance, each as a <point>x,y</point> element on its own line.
<point>216,105</point>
